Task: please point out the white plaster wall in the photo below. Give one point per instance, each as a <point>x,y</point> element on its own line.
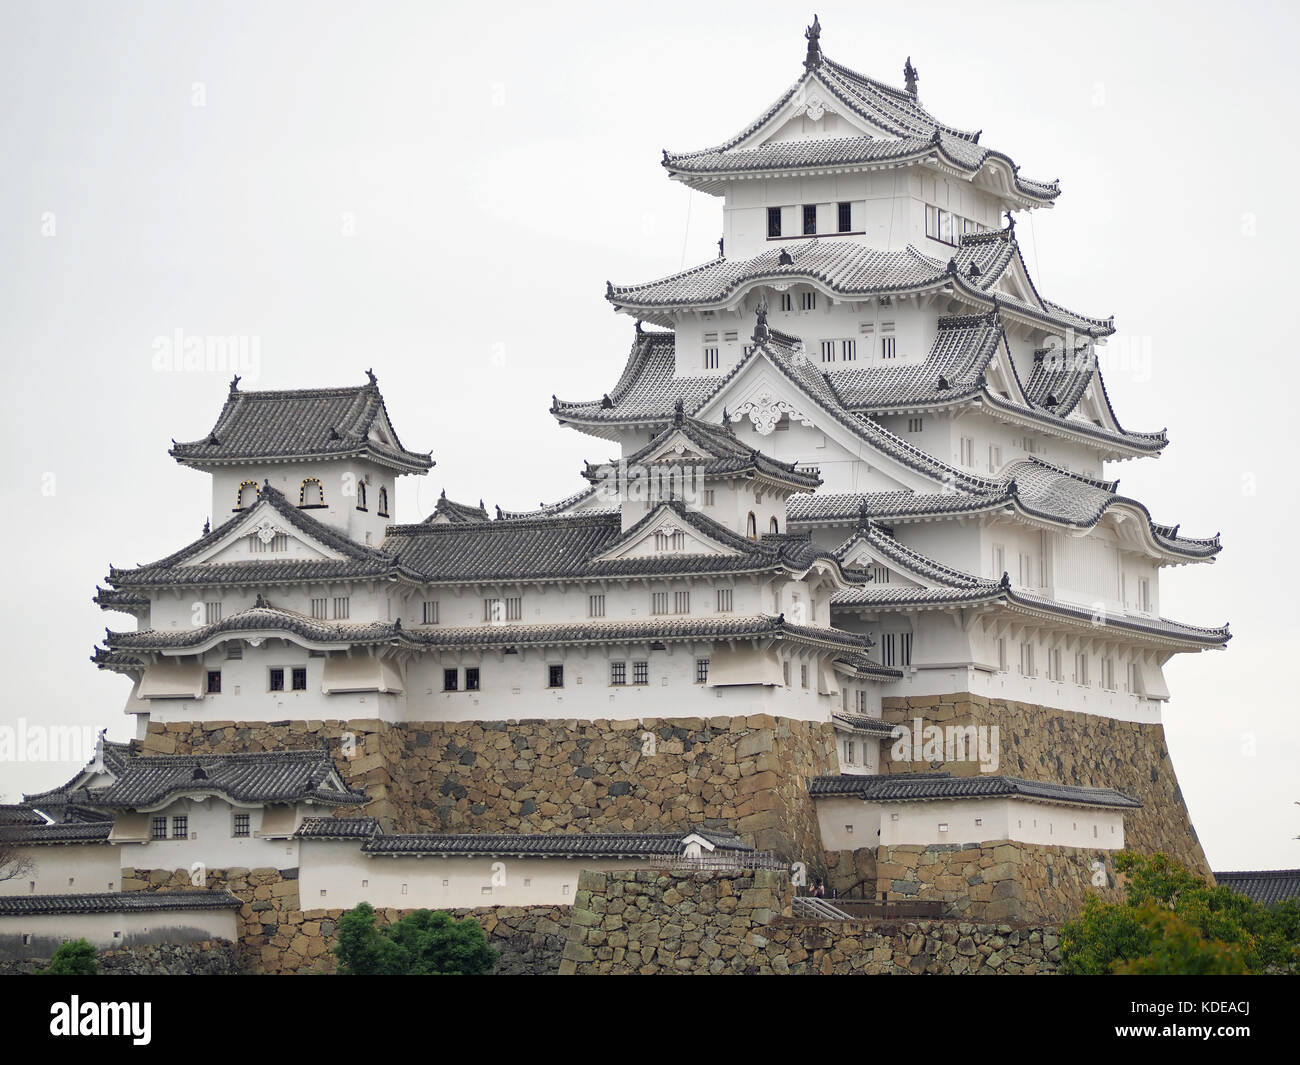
<point>111,930</point>
<point>72,868</point>
<point>211,841</point>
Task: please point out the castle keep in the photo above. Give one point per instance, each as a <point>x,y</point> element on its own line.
<point>854,598</point>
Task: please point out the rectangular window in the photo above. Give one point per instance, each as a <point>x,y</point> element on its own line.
<point>995,458</point>
<point>595,606</point>
<point>681,602</point>
<point>725,600</point>
<point>887,348</point>
<point>493,611</point>
<point>240,826</point>
<point>277,680</point>
<point>710,358</point>
<point>701,671</point>
<point>999,561</point>
<point>774,221</point>
<point>618,673</point>
<point>888,650</point>
<point>1144,595</point>
<point>451,680</point>
<point>341,607</point>
<point>658,602</point>
<point>809,219</point>
<point>828,351</point>
<point>862,701</point>
<point>785,672</point>
<point>319,608</point>
<point>640,672</point>
<point>1134,678</point>
<point>211,613</point>
<point>845,217</point>
<point>708,497</point>
<point>555,676</point>
<point>932,221</point>
<point>180,828</point>
<point>1054,670</point>
<point>967,451</point>
<point>1002,654</point>
<point>848,350</point>
<point>787,301</point>
<point>158,828</point>
<point>430,613</point>
<point>731,336</point>
<point>914,425</point>
<point>234,650</point>
<point>1081,669</point>
<point>1108,674</point>
<point>514,608</point>
<point>904,648</point>
<point>808,301</point>
<point>1026,570</point>
<point>849,752</point>
<point>471,678</point>
<point>803,674</point>
<point>214,682</point>
<point>1027,660</point>
<point>299,680</point>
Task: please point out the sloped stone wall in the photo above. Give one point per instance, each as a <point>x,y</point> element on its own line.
<point>211,957</point>
<point>663,923</point>
<point>1040,743</point>
<point>653,775</point>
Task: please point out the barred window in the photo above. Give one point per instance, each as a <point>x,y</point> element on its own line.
<point>240,826</point>
<point>862,700</point>
<point>514,608</point>
<point>710,358</point>
<point>158,828</point>
<point>681,602</point>
<point>214,682</point>
<point>808,300</point>
<point>701,671</point>
<point>471,678</point>
<point>809,219</point>
<point>640,672</point>
<point>211,613</point>
<point>430,615</point>
<point>180,828</point>
<point>848,350</point>
<point>320,608</point>
<point>828,351</point>
<point>299,680</point>
<point>845,217</point>
<point>341,607</point>
<point>725,599</point>
<point>277,680</point>
<point>595,606</point>
<point>493,610</point>
<point>774,221</point>
<point>803,674</point>
<point>618,673</point>
<point>787,301</point>
<point>450,680</point>
<point>555,676</point>
<point>659,603</point>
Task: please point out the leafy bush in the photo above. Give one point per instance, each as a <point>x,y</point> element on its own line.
<point>423,943</point>
<point>74,958</point>
<point>1173,922</point>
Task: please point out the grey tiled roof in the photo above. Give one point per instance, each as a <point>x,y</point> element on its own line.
<point>869,725</point>
<point>1266,886</point>
<point>337,828</point>
<point>31,835</point>
<point>722,453</point>
<point>835,507</point>
<point>461,513</point>
<point>913,787</point>
<point>257,619</point>
<point>116,902</point>
<point>301,423</point>
<point>603,845</point>
<point>912,133</point>
<point>883,543</point>
<point>358,561</point>
<point>115,599</point>
<point>56,801</point>
<point>273,776</point>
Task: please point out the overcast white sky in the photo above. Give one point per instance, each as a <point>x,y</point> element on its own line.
<point>420,187</point>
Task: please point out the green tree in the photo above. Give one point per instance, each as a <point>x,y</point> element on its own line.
<point>423,943</point>
<point>74,958</point>
<point>1172,921</point>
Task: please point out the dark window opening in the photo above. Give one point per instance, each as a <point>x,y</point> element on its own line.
<point>277,680</point>
<point>214,682</point>
<point>555,676</point>
<point>774,221</point>
<point>471,678</point>
<point>846,217</point>
<point>450,680</point>
<point>810,220</point>
<point>300,680</point>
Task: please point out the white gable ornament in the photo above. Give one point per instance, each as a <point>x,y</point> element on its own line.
<point>265,531</point>
<point>765,410</point>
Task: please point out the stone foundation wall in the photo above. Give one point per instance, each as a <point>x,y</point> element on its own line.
<point>277,936</point>
<point>654,922</point>
<point>212,957</point>
<point>997,881</point>
<point>1040,743</point>
<point>654,775</point>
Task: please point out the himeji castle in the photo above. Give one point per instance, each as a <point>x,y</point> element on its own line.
<point>855,583</point>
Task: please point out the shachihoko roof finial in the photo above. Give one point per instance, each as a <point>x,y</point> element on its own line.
<point>910,76</point>
<point>234,383</point>
<point>373,379</point>
<point>761,331</point>
<point>813,33</point>
<point>1011,222</point>
<point>207,526</point>
<point>679,412</point>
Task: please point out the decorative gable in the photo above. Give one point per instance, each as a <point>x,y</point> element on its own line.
<point>665,533</point>
<point>264,535</point>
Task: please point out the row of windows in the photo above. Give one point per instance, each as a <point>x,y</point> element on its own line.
<point>1055,668</point>
<point>451,679</point>
<point>843,219</point>
<point>948,228</point>
<point>180,827</point>
<point>510,608</point>
<point>311,495</point>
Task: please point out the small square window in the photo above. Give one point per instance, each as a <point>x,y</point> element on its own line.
<point>240,826</point>
<point>555,676</point>
<point>618,673</point>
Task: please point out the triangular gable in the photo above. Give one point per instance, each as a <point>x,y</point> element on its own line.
<point>263,523</point>
<point>667,532</point>
<point>679,447</point>
<point>861,554</point>
<point>812,111</point>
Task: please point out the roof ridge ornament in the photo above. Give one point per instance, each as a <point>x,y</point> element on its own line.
<point>373,379</point>
<point>910,77</point>
<point>679,412</point>
<point>1011,223</point>
<point>785,258</point>
<point>813,34</point>
<point>1005,582</point>
<point>234,384</point>
<point>761,332</point>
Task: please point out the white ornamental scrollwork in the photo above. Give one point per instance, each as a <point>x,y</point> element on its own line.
<point>265,531</point>
<point>765,410</point>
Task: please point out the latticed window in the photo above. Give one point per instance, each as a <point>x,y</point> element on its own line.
<point>595,606</point>
<point>658,602</point>
<point>471,678</point>
<point>430,613</point>
<point>810,219</point>
<point>240,826</point>
<point>341,607</point>
<point>618,673</point>
<point>158,828</point>
<point>701,671</point>
<point>774,221</point>
<point>320,608</point>
<point>640,672</point>
<point>180,828</point>
<point>725,599</point>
